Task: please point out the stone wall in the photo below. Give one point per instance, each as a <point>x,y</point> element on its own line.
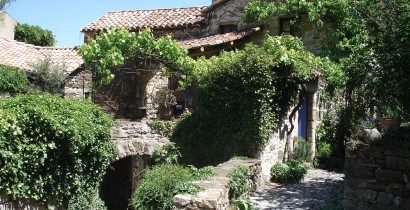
<point>377,178</point>
<point>216,189</point>
<point>7,203</point>
<point>136,138</point>
<point>229,13</point>
<point>79,84</point>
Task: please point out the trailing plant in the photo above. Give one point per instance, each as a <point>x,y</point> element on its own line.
<point>48,75</point>
<point>53,150</point>
<point>114,47</point>
<point>12,79</point>
<point>243,95</point>
<point>163,127</point>
<point>370,40</point>
<point>292,171</point>
<point>34,35</point>
<point>162,182</point>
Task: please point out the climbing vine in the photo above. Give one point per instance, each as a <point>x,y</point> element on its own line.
<point>243,95</point>
<point>115,48</point>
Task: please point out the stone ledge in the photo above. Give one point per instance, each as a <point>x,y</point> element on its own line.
<point>215,195</point>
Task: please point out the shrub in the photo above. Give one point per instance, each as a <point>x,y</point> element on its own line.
<point>12,80</point>
<point>163,127</point>
<point>239,185</point>
<point>48,75</point>
<point>52,149</point>
<point>303,150</point>
<point>292,171</point>
<point>162,182</point>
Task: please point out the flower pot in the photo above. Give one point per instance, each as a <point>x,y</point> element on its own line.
<point>389,123</point>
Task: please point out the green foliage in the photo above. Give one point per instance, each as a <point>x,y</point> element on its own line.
<point>167,154</point>
<point>164,98</point>
<point>52,149</point>
<point>163,127</point>
<point>292,171</point>
<point>34,35</point>
<point>12,80</point>
<point>242,204</point>
<point>113,48</point>
<point>3,3</point>
<point>48,75</point>
<point>203,173</point>
<point>239,185</point>
<point>162,182</point>
<point>243,95</point>
<point>370,39</point>
<point>303,150</point>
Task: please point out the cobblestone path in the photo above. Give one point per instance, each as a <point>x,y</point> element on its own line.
<point>319,189</point>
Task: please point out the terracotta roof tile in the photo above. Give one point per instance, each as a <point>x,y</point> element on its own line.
<point>217,39</point>
<point>22,55</point>
<point>155,18</point>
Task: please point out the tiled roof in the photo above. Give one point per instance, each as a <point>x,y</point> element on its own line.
<point>155,18</point>
<point>22,55</point>
<point>217,39</point>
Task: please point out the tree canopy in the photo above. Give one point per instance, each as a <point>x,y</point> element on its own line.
<point>3,3</point>
<point>370,38</point>
<point>34,35</point>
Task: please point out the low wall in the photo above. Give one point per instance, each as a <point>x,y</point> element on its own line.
<point>377,178</point>
<point>216,189</point>
<point>7,203</point>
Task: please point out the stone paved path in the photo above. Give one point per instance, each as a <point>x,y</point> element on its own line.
<point>319,189</point>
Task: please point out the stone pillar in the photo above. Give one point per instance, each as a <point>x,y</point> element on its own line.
<point>312,114</point>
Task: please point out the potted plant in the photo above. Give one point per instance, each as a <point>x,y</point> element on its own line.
<point>164,99</point>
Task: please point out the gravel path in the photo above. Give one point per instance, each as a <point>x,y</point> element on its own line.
<point>319,189</point>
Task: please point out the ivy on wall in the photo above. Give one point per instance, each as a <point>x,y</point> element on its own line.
<point>243,96</point>
<point>53,150</point>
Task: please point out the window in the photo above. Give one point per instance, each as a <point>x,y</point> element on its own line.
<point>227,28</point>
<point>288,26</point>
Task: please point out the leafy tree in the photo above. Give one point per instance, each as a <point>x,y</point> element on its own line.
<point>3,3</point>
<point>370,39</point>
<point>34,35</point>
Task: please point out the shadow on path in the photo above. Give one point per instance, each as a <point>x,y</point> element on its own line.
<point>319,189</point>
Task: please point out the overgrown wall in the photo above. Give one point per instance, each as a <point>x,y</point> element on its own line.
<point>377,178</point>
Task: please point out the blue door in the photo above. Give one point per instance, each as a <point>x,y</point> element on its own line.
<point>302,121</point>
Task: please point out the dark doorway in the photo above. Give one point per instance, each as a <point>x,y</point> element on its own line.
<point>116,188</point>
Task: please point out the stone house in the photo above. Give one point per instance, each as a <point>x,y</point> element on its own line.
<point>7,25</point>
<point>205,31</point>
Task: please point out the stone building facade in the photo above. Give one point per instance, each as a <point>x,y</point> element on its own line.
<point>7,25</point>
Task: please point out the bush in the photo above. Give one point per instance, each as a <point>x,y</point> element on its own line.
<point>52,149</point>
<point>162,182</point>
<point>292,171</point>
<point>239,185</point>
<point>12,80</point>
<point>303,150</point>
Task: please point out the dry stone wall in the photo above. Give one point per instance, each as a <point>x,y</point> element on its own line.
<point>78,84</point>
<point>377,178</point>
<point>136,138</point>
<point>215,195</point>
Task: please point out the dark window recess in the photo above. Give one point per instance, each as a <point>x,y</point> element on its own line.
<point>288,26</point>
<point>227,28</point>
